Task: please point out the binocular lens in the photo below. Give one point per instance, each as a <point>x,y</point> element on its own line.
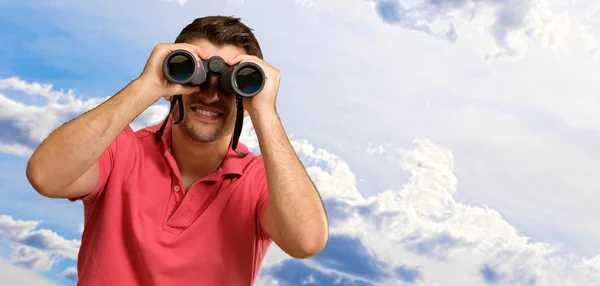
<point>249,80</point>
<point>181,67</point>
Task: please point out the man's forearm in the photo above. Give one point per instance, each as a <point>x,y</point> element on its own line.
<point>297,207</point>
<point>71,149</point>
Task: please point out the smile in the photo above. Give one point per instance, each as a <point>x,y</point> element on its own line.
<point>206,114</point>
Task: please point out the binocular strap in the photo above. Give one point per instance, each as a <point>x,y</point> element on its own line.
<point>239,120</point>
<point>174,100</point>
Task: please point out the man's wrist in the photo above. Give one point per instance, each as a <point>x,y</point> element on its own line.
<point>148,88</point>
<point>263,118</point>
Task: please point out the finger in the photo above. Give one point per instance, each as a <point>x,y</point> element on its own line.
<point>239,58</point>
<point>187,89</point>
<point>234,60</point>
<point>197,51</point>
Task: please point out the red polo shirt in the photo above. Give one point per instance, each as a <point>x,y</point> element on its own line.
<point>142,229</point>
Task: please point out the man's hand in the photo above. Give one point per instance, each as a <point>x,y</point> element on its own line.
<point>265,100</point>
<point>153,76</point>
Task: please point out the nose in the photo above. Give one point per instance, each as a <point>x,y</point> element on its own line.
<point>210,89</point>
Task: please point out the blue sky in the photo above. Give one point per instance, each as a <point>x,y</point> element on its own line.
<point>454,142</point>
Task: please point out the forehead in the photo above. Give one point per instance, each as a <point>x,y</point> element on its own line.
<point>227,52</point>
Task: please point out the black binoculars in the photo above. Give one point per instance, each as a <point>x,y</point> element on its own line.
<point>245,79</point>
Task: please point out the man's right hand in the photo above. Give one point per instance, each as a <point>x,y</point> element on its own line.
<point>153,76</point>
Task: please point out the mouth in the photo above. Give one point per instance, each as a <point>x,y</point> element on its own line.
<point>207,113</point>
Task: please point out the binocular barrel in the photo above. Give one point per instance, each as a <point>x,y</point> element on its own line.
<point>246,79</point>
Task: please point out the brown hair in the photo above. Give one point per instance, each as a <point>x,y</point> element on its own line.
<point>222,30</point>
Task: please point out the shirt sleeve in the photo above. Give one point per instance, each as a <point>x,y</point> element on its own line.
<point>263,200</point>
<point>118,148</point>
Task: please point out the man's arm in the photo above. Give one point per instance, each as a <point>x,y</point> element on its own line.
<point>295,219</point>
<point>65,164</point>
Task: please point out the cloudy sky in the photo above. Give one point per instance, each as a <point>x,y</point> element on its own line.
<point>455,142</point>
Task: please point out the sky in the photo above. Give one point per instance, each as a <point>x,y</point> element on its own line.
<point>454,142</point>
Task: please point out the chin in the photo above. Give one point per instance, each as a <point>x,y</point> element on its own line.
<point>201,133</point>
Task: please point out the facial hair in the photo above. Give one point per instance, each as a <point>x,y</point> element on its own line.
<point>205,133</point>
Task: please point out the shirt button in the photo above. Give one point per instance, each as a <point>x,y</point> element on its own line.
<point>176,188</point>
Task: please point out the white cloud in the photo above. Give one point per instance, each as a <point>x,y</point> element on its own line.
<point>423,225</point>
<point>274,256</point>
<point>153,115</point>
<point>179,2</point>
<point>70,273</point>
<point>524,130</point>
<point>522,133</point>
<point>309,280</point>
<point>29,124</point>
<point>15,149</point>
<point>32,258</point>
<point>36,249</point>
<point>501,29</point>
<point>266,281</point>
<point>15,275</point>
<point>35,246</point>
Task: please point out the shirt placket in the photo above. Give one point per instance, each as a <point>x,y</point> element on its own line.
<point>176,192</point>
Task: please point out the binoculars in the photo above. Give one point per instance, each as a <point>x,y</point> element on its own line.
<point>245,79</point>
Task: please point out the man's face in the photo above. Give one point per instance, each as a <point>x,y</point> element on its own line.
<point>210,114</point>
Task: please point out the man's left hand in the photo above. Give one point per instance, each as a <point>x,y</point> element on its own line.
<point>265,100</point>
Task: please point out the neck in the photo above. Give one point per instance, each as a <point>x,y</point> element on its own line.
<point>196,159</point>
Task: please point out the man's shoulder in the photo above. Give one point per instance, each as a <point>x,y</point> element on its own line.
<point>131,132</point>
<point>147,135</point>
<point>253,163</point>
<point>145,131</point>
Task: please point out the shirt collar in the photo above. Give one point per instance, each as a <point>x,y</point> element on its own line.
<point>233,163</point>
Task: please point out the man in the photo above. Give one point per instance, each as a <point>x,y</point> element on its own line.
<point>183,208</point>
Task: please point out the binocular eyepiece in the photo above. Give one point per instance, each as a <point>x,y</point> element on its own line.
<point>245,79</point>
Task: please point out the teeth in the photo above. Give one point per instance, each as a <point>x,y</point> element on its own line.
<point>207,113</point>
